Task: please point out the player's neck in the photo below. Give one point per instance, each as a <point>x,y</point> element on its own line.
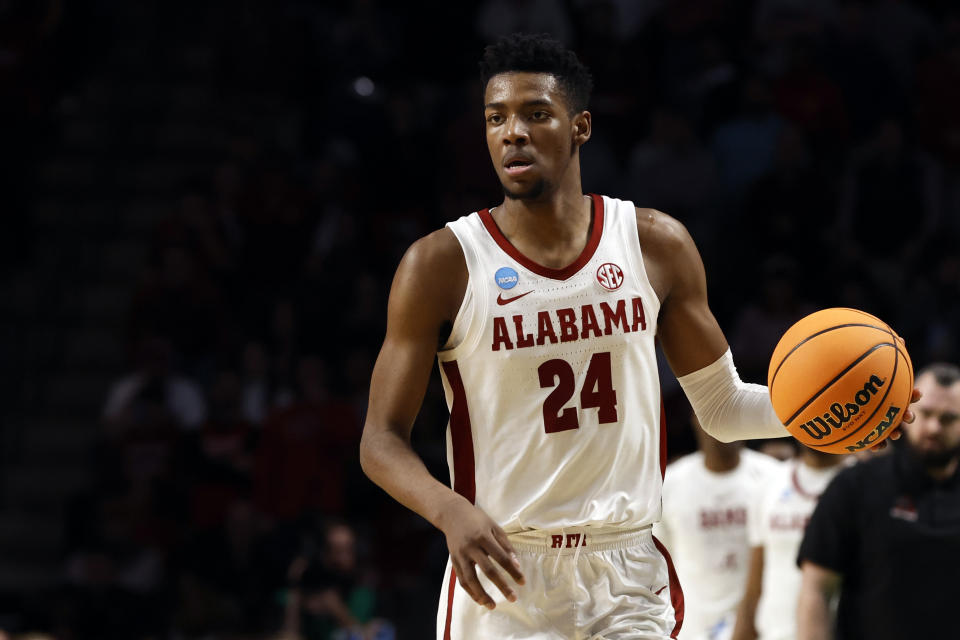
<point>721,461</point>
<point>551,230</point>
<point>558,209</point>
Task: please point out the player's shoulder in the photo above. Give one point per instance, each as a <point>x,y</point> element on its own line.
<point>432,275</point>
<point>659,231</point>
<point>438,249</point>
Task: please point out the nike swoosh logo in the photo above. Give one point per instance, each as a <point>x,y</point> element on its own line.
<point>657,592</point>
<point>501,300</point>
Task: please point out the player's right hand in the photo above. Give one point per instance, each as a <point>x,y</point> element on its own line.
<point>475,540</point>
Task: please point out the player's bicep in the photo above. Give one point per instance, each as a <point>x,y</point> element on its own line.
<point>419,306</point>
<point>689,333</point>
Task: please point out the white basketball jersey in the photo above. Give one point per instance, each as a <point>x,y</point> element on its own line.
<point>704,526</point>
<point>551,380</point>
<point>777,524</point>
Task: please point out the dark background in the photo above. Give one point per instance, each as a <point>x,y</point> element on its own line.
<point>203,204</point>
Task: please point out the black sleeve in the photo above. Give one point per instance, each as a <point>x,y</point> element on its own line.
<point>830,539</point>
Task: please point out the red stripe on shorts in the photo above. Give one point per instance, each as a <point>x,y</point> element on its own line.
<point>450,589</point>
<point>461,435</point>
<point>676,593</point>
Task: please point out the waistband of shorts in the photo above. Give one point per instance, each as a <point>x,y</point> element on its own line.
<point>568,539</point>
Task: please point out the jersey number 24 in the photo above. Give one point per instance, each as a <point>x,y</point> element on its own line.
<point>597,392</point>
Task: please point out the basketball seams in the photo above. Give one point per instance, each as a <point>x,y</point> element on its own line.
<point>840,375</point>
<point>811,337</point>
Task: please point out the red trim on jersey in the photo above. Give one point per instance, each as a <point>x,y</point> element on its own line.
<point>676,593</point>
<point>461,435</point>
<point>451,587</point>
<point>557,274</point>
<point>663,439</point>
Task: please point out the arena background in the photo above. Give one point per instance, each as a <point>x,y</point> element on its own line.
<point>203,204</point>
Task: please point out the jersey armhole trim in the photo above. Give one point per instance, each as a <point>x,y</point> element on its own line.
<point>473,298</point>
<point>632,238</point>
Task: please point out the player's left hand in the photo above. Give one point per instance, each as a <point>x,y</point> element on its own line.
<point>908,417</point>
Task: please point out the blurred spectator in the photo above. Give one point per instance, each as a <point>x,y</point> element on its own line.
<point>496,18</point>
<point>224,580</point>
<point>884,179</point>
<point>789,210</point>
<point>779,22</point>
<point>670,170</point>
<point>221,457</point>
<point>306,449</point>
<point>259,394</point>
<point>806,95</point>
<point>765,319</point>
<point>329,597</point>
<point>938,120</point>
<point>193,227</point>
<point>114,577</point>
<point>178,396</point>
<point>903,33</point>
<point>745,146</point>
<point>178,301</point>
<point>858,67</point>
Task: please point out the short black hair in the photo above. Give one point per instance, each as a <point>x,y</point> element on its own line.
<point>539,53</point>
<point>945,374</point>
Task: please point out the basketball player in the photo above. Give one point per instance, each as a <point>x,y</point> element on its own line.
<point>542,312</point>
<point>707,496</point>
<point>777,520</point>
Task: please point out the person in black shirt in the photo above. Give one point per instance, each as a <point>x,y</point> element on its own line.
<point>886,533</point>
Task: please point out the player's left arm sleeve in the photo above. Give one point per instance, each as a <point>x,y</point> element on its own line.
<point>728,408</point>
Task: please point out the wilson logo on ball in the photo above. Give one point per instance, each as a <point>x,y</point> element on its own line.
<point>610,276</point>
<point>840,414</point>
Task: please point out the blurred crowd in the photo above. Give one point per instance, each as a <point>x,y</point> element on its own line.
<point>812,148</point>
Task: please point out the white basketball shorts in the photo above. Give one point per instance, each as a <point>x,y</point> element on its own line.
<point>581,584</point>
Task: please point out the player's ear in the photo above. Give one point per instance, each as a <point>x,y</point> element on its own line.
<point>582,126</point>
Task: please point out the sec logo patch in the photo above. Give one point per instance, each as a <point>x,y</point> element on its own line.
<point>610,276</point>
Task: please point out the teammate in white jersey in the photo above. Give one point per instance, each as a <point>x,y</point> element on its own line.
<point>542,312</point>
<point>707,496</point>
<point>776,524</point>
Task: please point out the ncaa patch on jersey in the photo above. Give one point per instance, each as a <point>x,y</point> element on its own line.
<point>610,276</point>
<point>506,278</point>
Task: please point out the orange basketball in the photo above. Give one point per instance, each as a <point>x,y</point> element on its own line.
<point>840,380</point>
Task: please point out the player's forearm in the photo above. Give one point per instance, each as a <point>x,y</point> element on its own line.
<point>813,615</point>
<point>390,462</point>
<point>728,408</point>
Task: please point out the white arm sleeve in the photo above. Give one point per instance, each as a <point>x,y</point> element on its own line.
<point>728,408</point>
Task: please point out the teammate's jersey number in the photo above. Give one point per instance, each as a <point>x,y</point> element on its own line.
<point>597,392</point>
